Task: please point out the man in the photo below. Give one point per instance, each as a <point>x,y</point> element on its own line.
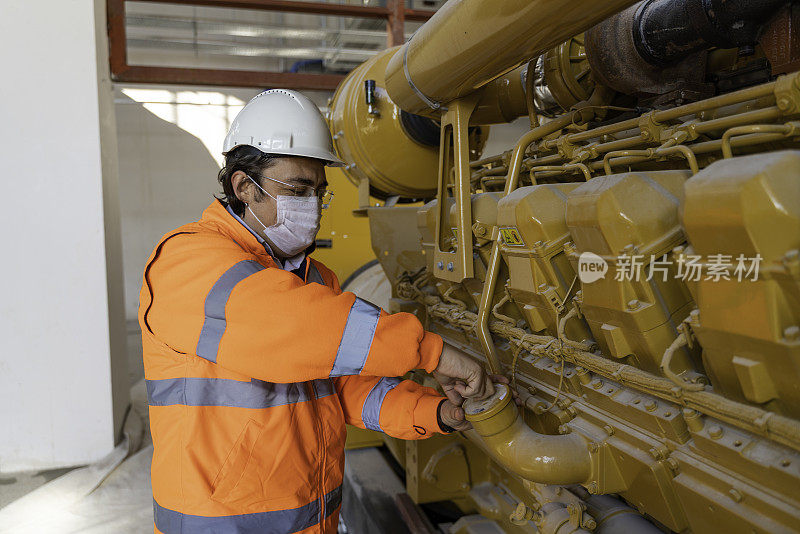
<point>255,359</point>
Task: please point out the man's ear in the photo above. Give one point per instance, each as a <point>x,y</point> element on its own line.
<point>242,187</point>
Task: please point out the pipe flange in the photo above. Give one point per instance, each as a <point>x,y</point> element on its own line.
<point>481,410</point>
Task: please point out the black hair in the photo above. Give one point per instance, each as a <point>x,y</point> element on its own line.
<point>249,160</point>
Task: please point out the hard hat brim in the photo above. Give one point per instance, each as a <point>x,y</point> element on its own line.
<point>329,158</point>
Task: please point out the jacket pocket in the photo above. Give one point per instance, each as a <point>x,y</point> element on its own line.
<point>234,466</point>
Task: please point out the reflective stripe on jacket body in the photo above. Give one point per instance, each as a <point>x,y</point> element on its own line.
<point>251,373</point>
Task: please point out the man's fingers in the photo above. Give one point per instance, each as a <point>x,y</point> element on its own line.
<point>488,387</point>
<point>474,389</point>
<point>453,416</point>
<point>454,396</point>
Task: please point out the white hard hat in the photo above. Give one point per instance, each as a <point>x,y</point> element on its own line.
<point>280,121</point>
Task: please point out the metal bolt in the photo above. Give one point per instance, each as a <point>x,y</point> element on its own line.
<point>609,430</point>
<point>592,488</point>
<point>632,305</point>
<point>480,231</point>
<point>440,265</point>
<point>593,447</point>
<point>715,432</point>
<point>736,495</point>
<point>583,375</point>
<point>656,454</point>
<point>673,465</point>
<point>563,429</point>
<point>693,419</point>
<point>597,384</point>
<point>450,266</point>
<point>792,333</point>
<point>589,523</point>
<point>784,104</point>
<point>650,405</point>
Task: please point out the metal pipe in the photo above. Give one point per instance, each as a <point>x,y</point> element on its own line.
<point>612,515</point>
<point>783,129</point>
<point>468,43</point>
<point>499,429</point>
<point>651,153</point>
<point>666,31</point>
<point>485,161</point>
<point>749,117</point>
<point>737,97</point>
<point>739,141</point>
<point>666,363</point>
<point>566,167</point>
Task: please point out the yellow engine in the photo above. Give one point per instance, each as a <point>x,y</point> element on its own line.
<point>632,263</point>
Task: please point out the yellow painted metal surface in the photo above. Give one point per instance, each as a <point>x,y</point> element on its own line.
<point>467,43</point>
<point>349,236</point>
<point>649,401</point>
<point>587,357</point>
<point>749,330</point>
<point>377,147</point>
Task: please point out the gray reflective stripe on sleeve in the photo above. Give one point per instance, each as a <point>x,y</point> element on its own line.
<point>273,522</point>
<point>371,412</point>
<point>323,387</point>
<point>314,275</point>
<point>356,339</point>
<point>217,298</point>
<point>223,392</point>
<point>332,500</point>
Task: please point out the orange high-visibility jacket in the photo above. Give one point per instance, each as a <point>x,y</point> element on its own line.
<point>251,374</point>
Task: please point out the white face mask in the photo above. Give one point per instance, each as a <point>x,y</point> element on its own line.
<point>297,222</point>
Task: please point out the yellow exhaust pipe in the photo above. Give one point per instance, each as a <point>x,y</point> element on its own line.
<point>499,428</point>
<point>468,43</point>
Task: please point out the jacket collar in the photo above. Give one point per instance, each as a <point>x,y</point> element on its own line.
<point>217,215</point>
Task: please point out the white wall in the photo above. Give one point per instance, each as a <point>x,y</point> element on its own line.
<point>61,311</point>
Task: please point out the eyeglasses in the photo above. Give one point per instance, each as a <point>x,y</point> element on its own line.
<point>324,194</point>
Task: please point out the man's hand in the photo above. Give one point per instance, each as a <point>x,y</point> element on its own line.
<point>453,416</point>
<point>461,377</point>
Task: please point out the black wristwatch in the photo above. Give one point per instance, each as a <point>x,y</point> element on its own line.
<point>446,429</point>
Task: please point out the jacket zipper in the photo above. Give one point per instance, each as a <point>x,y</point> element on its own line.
<point>319,431</point>
<point>321,453</point>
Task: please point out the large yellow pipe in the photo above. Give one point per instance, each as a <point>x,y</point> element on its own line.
<point>468,43</point>
<point>563,459</point>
